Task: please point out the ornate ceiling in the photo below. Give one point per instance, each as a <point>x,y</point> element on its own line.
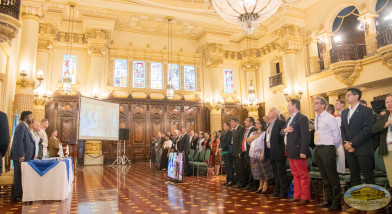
<point>191,18</point>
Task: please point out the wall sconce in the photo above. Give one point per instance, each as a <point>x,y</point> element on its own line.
<point>220,103</point>
<point>41,100</point>
<point>298,96</point>
<point>24,82</point>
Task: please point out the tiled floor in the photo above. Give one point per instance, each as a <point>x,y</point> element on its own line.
<point>141,188</point>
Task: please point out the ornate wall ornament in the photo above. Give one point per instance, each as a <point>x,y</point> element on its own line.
<point>212,54</point>
<point>44,44</point>
<point>386,54</point>
<point>9,28</point>
<point>346,71</point>
<point>93,147</point>
<point>252,65</point>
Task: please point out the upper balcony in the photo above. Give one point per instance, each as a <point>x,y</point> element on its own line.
<point>10,8</point>
<point>384,36</point>
<point>275,80</point>
<point>347,52</point>
<point>9,19</point>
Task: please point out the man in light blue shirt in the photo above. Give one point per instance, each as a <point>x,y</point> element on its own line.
<point>327,138</point>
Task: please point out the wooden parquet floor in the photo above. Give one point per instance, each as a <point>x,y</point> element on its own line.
<point>139,188</point>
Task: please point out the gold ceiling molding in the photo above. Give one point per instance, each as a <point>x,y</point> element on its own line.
<point>346,71</point>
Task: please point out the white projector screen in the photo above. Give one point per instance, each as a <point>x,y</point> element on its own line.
<point>98,120</point>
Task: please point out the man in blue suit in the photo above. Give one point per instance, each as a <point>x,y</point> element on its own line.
<point>23,149</point>
<point>4,137</point>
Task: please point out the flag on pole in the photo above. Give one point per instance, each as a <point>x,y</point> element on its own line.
<point>14,124</point>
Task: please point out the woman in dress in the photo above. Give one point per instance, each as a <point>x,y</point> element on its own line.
<point>167,145</point>
<point>216,156</point>
<point>260,166</point>
<point>226,152</point>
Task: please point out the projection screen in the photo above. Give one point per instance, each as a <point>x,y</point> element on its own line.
<point>98,120</point>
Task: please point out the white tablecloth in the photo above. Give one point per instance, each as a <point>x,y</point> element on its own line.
<point>53,185</point>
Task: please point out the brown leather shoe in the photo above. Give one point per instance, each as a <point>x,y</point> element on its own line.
<point>352,210</point>
<point>293,200</point>
<point>303,202</point>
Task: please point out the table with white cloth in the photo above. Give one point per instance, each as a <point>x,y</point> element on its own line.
<point>49,179</point>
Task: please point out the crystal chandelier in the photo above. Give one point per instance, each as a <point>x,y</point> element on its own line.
<point>67,82</point>
<point>251,94</point>
<point>248,14</point>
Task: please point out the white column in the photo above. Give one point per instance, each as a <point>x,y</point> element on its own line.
<point>27,61</point>
<point>95,76</point>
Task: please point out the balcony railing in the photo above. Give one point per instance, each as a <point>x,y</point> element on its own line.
<point>275,80</point>
<point>10,7</point>
<point>347,52</point>
<point>384,36</point>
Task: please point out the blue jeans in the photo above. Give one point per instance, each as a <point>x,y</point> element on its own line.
<point>228,158</point>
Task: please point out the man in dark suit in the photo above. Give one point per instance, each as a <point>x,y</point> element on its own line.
<point>297,140</point>
<point>275,143</point>
<point>247,177</point>
<point>236,142</point>
<point>195,138</point>
<point>23,149</point>
<point>4,137</point>
<point>184,145</point>
<point>356,129</point>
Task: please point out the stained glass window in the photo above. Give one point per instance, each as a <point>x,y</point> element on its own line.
<point>156,75</point>
<point>229,83</point>
<point>120,72</point>
<point>69,65</point>
<point>139,74</point>
<point>174,75</point>
<point>189,78</point>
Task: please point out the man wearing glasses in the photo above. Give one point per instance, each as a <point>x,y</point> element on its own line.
<point>356,130</point>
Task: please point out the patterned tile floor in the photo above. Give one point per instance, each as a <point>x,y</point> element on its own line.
<point>139,188</point>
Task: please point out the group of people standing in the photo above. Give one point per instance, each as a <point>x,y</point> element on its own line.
<point>29,142</point>
<point>257,152</point>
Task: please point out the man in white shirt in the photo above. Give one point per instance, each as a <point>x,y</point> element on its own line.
<point>327,138</point>
<point>339,107</point>
<point>42,134</point>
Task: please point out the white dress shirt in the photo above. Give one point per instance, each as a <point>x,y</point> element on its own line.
<point>328,130</point>
<point>288,124</point>
<point>268,133</point>
<point>351,112</point>
<point>389,135</point>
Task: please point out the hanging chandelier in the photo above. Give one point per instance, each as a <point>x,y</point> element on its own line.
<point>251,94</point>
<point>248,14</point>
<point>170,86</point>
<point>67,78</point>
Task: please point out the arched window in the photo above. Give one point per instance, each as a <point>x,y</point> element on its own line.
<point>139,74</point>
<point>384,23</point>
<point>384,11</point>
<point>174,75</point>
<point>189,78</point>
<point>348,42</point>
<point>69,65</point>
<point>156,75</point>
<point>120,72</point>
<point>229,82</point>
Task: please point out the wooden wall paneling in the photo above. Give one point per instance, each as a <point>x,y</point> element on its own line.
<point>190,118</point>
<point>156,116</point>
<point>174,118</point>
<point>138,136</point>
